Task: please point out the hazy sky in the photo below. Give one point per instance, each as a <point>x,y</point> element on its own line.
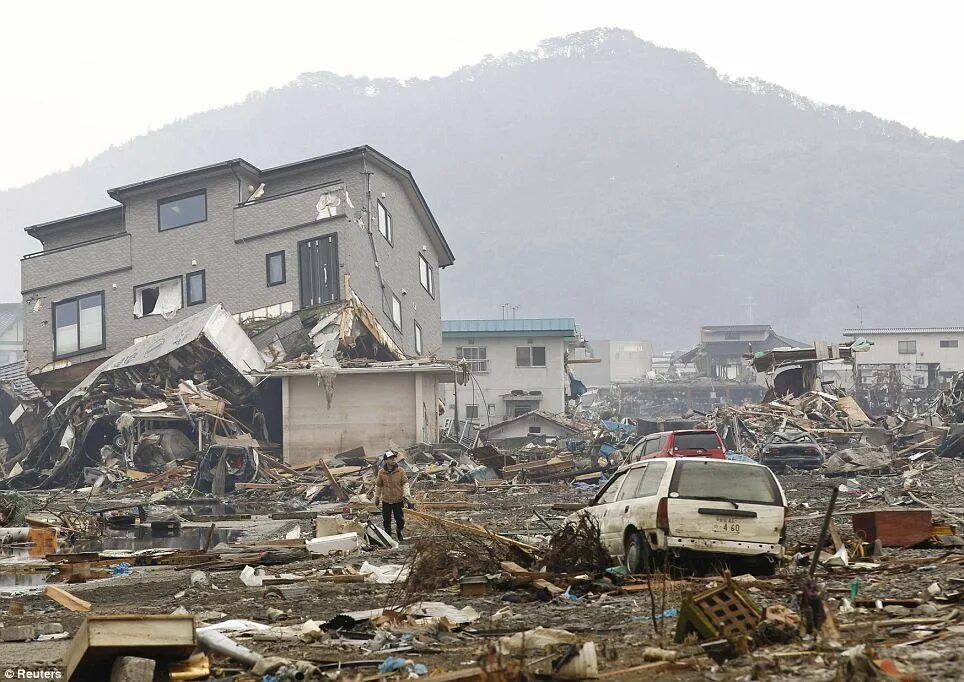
<point>79,77</point>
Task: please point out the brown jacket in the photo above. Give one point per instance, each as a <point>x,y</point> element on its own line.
<point>391,486</point>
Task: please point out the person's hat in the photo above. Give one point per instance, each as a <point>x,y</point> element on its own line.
<point>390,455</point>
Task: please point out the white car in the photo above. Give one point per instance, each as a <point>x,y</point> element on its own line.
<point>692,509</point>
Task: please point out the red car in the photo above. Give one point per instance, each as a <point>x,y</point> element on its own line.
<point>701,443</point>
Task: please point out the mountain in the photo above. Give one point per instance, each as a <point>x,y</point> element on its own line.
<point>600,176</point>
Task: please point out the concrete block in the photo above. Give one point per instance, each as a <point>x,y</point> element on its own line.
<point>17,633</point>
<point>132,669</point>
<point>50,628</point>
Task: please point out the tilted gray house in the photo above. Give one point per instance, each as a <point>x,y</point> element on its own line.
<point>264,243</point>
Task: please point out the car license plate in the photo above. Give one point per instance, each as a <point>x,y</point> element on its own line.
<point>726,526</point>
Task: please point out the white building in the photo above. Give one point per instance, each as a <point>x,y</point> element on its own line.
<point>517,366</point>
<point>619,362</point>
<point>924,357</point>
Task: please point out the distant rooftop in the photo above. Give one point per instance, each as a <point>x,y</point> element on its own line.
<point>874,331</point>
<point>552,326</point>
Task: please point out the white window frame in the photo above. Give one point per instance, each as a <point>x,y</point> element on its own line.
<point>385,223</point>
<point>477,365</point>
<point>418,338</point>
<point>396,312</point>
<point>426,275</point>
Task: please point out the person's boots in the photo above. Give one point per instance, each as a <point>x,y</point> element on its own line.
<point>399,533</point>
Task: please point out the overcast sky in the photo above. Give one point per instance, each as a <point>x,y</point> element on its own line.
<point>79,77</point>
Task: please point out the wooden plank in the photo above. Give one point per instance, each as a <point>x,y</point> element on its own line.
<point>470,529</point>
<point>257,486</point>
<point>340,492</point>
<point>466,675</point>
<point>66,599</point>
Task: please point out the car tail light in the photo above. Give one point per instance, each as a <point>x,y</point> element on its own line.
<point>662,515</point>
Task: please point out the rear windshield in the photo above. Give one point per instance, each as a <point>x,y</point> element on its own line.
<point>725,480</point>
<point>696,441</point>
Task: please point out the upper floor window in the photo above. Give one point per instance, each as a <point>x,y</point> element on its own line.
<point>475,357</point>
<point>158,298</point>
<point>396,312</point>
<point>418,339</point>
<point>185,209</point>
<point>907,347</point>
<point>79,324</point>
<point>274,265</point>
<point>426,275</point>
<point>949,344</point>
<point>385,223</point>
<point>530,356</point>
<point>196,288</point>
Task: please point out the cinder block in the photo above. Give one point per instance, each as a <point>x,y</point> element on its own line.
<point>132,669</point>
<point>17,633</point>
<point>50,628</point>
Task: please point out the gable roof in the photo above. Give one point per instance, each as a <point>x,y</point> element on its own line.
<point>9,314</point>
<point>572,427</point>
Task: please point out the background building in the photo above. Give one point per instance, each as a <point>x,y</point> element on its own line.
<point>920,357</point>
<point>719,354</point>
<point>619,361</point>
<point>518,366</point>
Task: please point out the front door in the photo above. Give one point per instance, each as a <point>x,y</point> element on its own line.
<point>318,270</point>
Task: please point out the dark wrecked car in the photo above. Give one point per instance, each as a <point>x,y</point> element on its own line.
<point>224,466</point>
<point>791,450</point>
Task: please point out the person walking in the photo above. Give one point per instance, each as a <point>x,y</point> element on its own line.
<point>392,490</point>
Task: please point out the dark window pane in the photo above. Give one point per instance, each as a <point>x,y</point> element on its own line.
<point>65,321</point>
<point>195,288</point>
<point>723,479</point>
<point>696,441</point>
<point>184,211</point>
<point>522,357</point>
<point>538,356</point>
<point>276,268</point>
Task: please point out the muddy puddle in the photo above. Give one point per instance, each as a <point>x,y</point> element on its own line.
<point>16,575</point>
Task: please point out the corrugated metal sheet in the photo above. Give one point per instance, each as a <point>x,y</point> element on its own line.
<point>903,330</point>
<point>551,325</point>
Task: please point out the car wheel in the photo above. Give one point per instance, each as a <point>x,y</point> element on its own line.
<point>639,556</point>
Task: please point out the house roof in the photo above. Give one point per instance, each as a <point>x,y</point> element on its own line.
<point>535,414</point>
<point>9,314</point>
<point>736,327</point>
<point>880,331</point>
<point>552,326</point>
<point>15,375</point>
<point>118,193</point>
<point>736,349</point>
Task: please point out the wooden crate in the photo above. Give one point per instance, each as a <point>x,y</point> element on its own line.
<point>894,527</point>
<point>102,638</point>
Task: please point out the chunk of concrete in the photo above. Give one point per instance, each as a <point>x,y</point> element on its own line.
<point>132,669</point>
<point>17,633</point>
<point>50,628</point>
